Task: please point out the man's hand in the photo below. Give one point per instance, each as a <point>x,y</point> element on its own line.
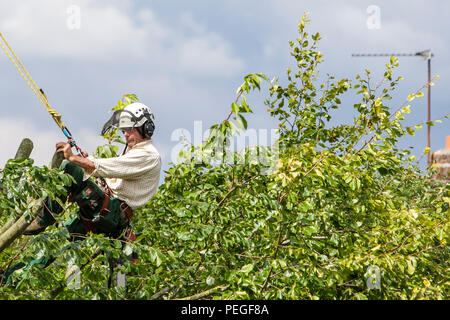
<point>65,148</point>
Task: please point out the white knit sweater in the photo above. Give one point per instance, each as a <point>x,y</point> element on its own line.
<point>132,177</point>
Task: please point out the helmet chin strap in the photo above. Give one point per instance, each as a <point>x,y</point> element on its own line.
<point>125,149</point>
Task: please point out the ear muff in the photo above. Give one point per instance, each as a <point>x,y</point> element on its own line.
<point>149,126</point>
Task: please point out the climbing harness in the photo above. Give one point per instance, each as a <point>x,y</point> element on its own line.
<point>39,93</point>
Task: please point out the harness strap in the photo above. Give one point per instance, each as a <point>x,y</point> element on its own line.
<point>126,209</point>
<point>104,208</point>
<point>87,223</point>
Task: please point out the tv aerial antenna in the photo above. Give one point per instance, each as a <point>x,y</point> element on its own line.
<point>427,55</point>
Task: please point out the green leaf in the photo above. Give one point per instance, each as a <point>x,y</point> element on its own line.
<point>183,236</point>
<point>247,268</point>
<point>310,230</point>
<point>378,102</point>
<point>159,258</point>
<point>406,109</point>
<point>419,94</point>
<point>410,131</point>
<point>411,265</point>
<point>235,108</point>
<point>244,121</point>
<point>399,116</point>
<point>305,206</point>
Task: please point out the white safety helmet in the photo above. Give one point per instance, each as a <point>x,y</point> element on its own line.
<point>134,115</point>
<point>138,113</point>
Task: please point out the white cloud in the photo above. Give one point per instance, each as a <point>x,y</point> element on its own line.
<point>203,52</point>
<point>18,129</point>
<point>112,31</point>
<point>45,28</point>
<point>396,34</point>
<point>343,26</point>
<point>87,140</point>
<point>208,55</point>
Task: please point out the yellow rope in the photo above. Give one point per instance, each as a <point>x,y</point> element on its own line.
<point>55,115</point>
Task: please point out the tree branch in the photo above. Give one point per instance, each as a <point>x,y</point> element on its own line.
<point>205,293</point>
<point>274,257</point>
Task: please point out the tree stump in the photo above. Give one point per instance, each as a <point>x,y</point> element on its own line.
<point>14,228</point>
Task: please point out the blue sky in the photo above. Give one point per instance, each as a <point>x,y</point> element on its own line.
<point>185,60</point>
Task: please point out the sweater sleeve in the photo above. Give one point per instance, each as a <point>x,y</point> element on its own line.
<point>128,166</point>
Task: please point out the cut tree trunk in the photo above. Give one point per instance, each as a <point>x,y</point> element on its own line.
<point>7,237</point>
<point>23,152</point>
<point>13,229</point>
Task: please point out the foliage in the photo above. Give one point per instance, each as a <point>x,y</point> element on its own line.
<point>339,204</point>
<point>20,181</point>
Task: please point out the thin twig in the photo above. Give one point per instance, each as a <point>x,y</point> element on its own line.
<point>274,257</point>
<point>205,293</point>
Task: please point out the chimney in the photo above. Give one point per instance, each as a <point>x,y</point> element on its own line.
<point>441,161</point>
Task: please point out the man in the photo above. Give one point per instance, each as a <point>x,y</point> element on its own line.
<point>130,180</point>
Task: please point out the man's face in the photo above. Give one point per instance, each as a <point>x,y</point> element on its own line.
<point>132,136</point>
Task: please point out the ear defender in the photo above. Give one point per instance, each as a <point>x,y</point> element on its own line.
<point>149,126</point>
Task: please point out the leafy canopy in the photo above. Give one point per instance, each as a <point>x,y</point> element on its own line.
<point>342,212</point>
